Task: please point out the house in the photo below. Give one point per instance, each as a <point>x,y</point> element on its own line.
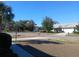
<point>66,28</point>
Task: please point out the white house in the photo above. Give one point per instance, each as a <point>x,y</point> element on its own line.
<point>67,28</point>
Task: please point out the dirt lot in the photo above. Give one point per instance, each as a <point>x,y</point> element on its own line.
<point>67,48</point>
<point>59,50</point>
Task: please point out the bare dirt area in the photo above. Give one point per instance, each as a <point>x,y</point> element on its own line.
<point>67,48</point>
<point>58,50</point>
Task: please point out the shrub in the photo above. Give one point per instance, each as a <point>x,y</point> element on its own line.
<point>76,32</point>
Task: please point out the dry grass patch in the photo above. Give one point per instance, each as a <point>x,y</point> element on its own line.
<point>61,40</point>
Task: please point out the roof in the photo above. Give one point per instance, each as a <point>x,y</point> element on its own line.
<point>65,25</point>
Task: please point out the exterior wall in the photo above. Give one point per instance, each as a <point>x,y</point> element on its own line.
<point>68,30</point>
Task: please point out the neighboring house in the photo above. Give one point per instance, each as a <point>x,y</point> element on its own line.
<point>37,28</point>
<point>67,28</point>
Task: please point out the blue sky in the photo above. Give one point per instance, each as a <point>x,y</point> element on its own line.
<point>63,12</point>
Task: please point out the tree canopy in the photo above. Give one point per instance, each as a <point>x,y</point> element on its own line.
<point>48,23</point>
<point>6,15</point>
<point>23,25</point>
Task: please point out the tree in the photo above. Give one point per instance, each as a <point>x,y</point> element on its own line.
<point>47,24</point>
<point>6,14</point>
<point>23,25</point>
<point>20,25</point>
<point>30,25</point>
<point>77,28</point>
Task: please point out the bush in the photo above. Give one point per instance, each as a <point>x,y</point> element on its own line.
<point>6,30</point>
<point>76,32</point>
<point>42,31</point>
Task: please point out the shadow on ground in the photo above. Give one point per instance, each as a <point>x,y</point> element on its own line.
<point>42,42</point>
<point>35,52</point>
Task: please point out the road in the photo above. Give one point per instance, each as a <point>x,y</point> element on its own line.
<point>39,36</point>
<point>42,36</point>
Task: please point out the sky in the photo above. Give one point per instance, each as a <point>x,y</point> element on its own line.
<point>61,11</point>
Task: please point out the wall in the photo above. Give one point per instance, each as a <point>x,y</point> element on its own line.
<point>68,30</point>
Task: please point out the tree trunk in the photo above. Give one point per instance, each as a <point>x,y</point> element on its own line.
<point>0,28</point>
<point>0,24</point>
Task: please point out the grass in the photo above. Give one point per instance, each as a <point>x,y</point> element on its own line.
<point>63,41</point>
<point>56,40</point>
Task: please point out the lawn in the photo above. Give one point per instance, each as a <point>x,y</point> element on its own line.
<point>61,40</point>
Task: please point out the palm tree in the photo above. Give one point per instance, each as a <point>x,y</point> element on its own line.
<point>6,14</point>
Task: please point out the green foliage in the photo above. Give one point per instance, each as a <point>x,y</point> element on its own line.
<point>6,15</point>
<point>6,12</point>
<point>24,25</point>
<point>30,25</point>
<point>6,30</point>
<point>76,32</point>
<point>76,29</point>
<point>56,40</point>
<point>47,24</point>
